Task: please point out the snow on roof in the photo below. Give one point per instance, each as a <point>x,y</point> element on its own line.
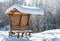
<point>26,9</point>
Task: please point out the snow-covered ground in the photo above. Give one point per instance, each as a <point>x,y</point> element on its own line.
<point>50,35</point>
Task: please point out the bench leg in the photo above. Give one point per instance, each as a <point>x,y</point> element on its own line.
<point>26,34</point>
<point>29,33</point>
<point>18,35</point>
<point>22,34</point>
<point>10,33</point>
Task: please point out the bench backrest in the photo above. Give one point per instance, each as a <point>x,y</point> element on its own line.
<point>18,20</point>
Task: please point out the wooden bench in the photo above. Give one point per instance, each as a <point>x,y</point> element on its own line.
<point>19,22</point>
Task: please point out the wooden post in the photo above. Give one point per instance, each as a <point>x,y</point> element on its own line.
<point>10,34</point>
<point>22,34</point>
<point>20,20</point>
<point>18,35</point>
<point>30,33</point>
<point>28,19</point>
<point>26,34</point>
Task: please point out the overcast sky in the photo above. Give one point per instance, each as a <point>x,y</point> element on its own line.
<point>3,0</point>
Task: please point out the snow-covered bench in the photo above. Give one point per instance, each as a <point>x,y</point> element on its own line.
<point>19,17</point>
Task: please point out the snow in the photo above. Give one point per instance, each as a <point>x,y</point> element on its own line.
<point>21,30</point>
<point>0,21</point>
<point>50,35</point>
<point>4,37</point>
<point>26,9</point>
<point>5,28</point>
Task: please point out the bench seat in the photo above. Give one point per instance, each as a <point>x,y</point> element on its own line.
<point>20,31</point>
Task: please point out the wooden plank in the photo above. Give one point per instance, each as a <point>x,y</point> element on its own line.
<point>20,19</point>
<point>21,27</point>
<point>24,19</point>
<point>28,19</point>
<point>10,25</point>
<point>15,20</point>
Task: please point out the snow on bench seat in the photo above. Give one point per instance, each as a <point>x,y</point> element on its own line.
<point>26,9</point>
<point>20,31</point>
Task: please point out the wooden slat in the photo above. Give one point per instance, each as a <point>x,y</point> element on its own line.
<point>28,19</point>
<point>25,19</point>
<point>10,25</point>
<point>21,27</point>
<point>20,19</point>
<point>15,20</point>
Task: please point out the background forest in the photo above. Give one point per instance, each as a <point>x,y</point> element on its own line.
<point>50,20</point>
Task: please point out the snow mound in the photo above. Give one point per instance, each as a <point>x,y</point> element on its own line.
<point>5,28</point>
<point>15,39</point>
<point>5,37</point>
<point>50,35</point>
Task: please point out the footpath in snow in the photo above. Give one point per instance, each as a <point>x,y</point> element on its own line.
<point>50,35</point>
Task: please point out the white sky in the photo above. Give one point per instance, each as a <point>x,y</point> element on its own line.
<point>3,0</point>
<point>28,1</point>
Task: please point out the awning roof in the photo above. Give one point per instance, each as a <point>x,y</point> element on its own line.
<point>26,9</point>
